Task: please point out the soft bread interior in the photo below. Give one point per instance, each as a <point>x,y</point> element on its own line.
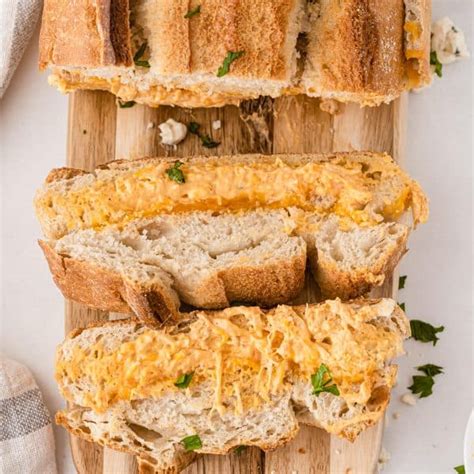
<point>209,260</point>
<point>251,377</point>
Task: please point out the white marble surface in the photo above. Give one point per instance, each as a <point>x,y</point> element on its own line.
<point>426,438</point>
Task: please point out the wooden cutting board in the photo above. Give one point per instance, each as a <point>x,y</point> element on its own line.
<point>99,131</point>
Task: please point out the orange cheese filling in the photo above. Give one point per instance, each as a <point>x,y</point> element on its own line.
<point>336,187</point>
<point>243,355</point>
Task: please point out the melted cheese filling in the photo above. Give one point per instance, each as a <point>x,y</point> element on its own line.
<point>322,188</point>
<point>244,355</point>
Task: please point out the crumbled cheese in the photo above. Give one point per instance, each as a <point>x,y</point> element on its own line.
<point>216,125</point>
<point>384,458</point>
<point>150,125</point>
<point>338,451</point>
<point>408,399</point>
<point>448,41</point>
<point>172,132</point>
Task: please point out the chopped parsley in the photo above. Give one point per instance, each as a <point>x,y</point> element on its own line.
<point>206,140</point>
<point>184,380</point>
<point>239,449</point>
<point>434,61</point>
<point>229,59</point>
<point>319,385</point>
<point>430,369</point>
<point>138,55</point>
<point>191,443</point>
<point>401,282</point>
<point>192,12</point>
<point>175,174</point>
<point>423,384</point>
<point>402,306</point>
<point>424,332</point>
<point>460,469</point>
<point>126,105</point>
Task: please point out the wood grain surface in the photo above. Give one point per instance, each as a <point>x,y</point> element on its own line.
<point>100,132</point>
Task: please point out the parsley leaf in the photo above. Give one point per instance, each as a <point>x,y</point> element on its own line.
<point>401,282</point>
<point>460,469</point>
<point>239,449</point>
<point>191,443</point>
<point>424,332</point>
<point>430,369</point>
<point>126,105</point>
<point>229,59</point>
<point>422,385</point>
<point>206,140</point>
<point>184,380</point>
<point>319,385</point>
<point>175,174</point>
<point>434,61</point>
<point>194,11</point>
<point>402,306</point>
<point>137,57</point>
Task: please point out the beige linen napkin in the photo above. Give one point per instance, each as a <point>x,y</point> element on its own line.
<point>26,434</point>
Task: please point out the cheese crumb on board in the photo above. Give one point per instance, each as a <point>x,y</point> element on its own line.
<point>216,125</point>
<point>448,41</point>
<point>150,125</point>
<point>408,399</point>
<point>172,132</point>
<point>384,458</point>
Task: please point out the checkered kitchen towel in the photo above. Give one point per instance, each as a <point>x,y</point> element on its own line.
<point>26,435</point>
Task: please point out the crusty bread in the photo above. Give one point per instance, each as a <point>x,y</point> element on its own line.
<point>209,261</point>
<point>203,260</point>
<point>357,51</point>
<point>360,187</point>
<point>251,382</point>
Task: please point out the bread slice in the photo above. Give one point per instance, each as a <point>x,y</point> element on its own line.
<point>206,261</point>
<point>356,52</point>
<point>359,52</point>
<point>251,378</point>
<point>361,187</point>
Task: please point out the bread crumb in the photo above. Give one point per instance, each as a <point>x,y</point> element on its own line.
<point>408,399</point>
<point>396,416</point>
<point>348,470</point>
<point>330,106</point>
<point>150,125</point>
<point>384,458</point>
<point>338,451</point>
<point>216,125</point>
<point>302,451</point>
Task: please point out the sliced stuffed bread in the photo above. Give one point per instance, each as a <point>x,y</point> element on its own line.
<point>133,237</point>
<point>241,376</point>
<point>213,52</point>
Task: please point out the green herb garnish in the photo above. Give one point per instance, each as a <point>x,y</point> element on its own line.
<point>460,469</point>
<point>430,369</point>
<point>239,449</point>
<point>319,385</point>
<point>434,61</point>
<point>229,59</point>
<point>194,11</point>
<point>424,332</point>
<point>184,380</point>
<point>137,58</point>
<point>126,105</point>
<point>191,443</point>
<point>402,306</point>
<point>175,174</point>
<point>423,384</point>
<point>401,282</point>
<point>206,140</point>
